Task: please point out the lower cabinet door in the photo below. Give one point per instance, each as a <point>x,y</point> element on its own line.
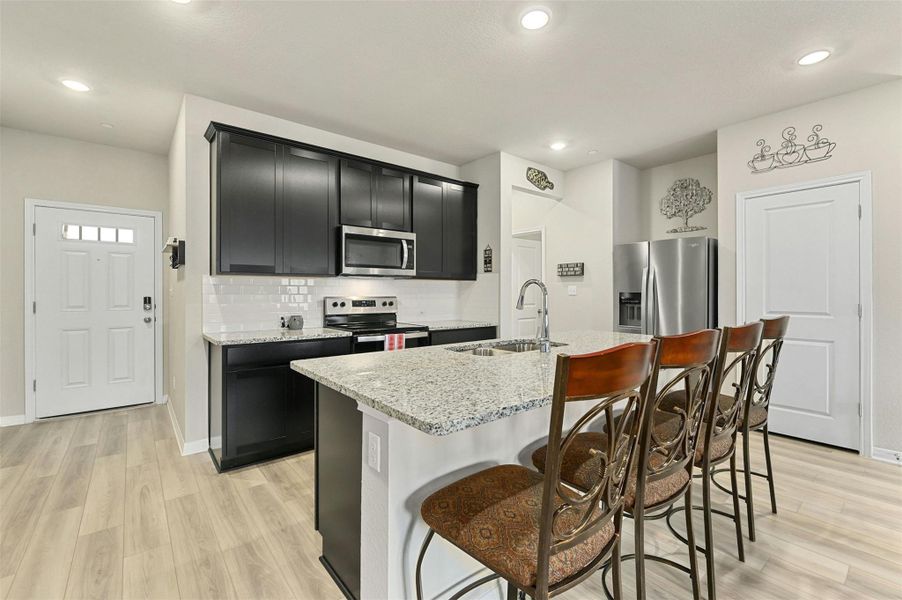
<point>268,411</point>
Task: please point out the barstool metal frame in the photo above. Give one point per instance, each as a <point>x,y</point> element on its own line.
<point>618,378</point>
<point>723,422</point>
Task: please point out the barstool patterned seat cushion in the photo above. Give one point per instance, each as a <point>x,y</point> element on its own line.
<point>580,468</point>
<point>494,515</point>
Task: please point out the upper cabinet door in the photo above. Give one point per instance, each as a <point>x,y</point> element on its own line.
<point>248,208</point>
<point>357,188</point>
<point>309,212</point>
<point>391,202</point>
<point>427,224</point>
<point>459,241</point>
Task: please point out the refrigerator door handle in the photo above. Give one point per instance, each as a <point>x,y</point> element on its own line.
<point>643,301</point>
<point>653,316</point>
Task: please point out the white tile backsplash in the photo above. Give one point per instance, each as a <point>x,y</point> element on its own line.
<point>237,303</point>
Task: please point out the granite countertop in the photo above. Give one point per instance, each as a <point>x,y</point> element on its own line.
<point>273,335</point>
<point>455,324</point>
<point>439,391</point>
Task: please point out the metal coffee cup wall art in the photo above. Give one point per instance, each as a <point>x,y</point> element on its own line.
<point>791,153</point>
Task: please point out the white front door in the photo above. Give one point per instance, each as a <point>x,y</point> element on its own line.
<point>801,260</point>
<point>94,335</point>
<point>527,264</point>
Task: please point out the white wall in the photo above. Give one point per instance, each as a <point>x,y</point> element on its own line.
<point>653,185</point>
<point>193,200</point>
<point>46,167</point>
<point>867,128</point>
<point>513,180</point>
<point>479,300</point>
<point>627,210</point>
<point>578,228</point>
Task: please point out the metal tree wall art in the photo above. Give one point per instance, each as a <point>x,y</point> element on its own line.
<point>790,153</point>
<point>685,198</point>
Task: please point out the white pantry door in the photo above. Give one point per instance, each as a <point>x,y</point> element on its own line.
<point>94,338</point>
<point>527,264</point>
<point>801,259</point>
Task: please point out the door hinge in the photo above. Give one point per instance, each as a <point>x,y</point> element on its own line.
<point>34,385</point>
<point>859,409</point>
<point>34,308</point>
<point>34,229</point>
<point>860,311</point>
<point>859,211</point>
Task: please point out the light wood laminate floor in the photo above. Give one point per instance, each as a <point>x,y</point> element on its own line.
<point>103,506</point>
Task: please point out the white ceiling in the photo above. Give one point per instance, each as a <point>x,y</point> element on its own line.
<point>647,82</point>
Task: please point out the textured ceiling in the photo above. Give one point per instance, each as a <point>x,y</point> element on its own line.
<point>644,81</point>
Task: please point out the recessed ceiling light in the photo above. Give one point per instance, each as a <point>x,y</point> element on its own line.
<point>592,152</point>
<point>181,1</point>
<point>76,85</point>
<point>812,58</point>
<point>106,125</point>
<point>557,145</point>
<point>535,18</point>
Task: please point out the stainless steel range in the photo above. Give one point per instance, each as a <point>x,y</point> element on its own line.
<point>371,319</point>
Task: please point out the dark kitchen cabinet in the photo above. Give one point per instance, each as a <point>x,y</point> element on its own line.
<point>277,205</point>
<point>459,226</point>
<point>428,201</point>
<point>274,207</point>
<point>259,408</point>
<point>357,185</point>
<point>309,212</point>
<point>248,206</point>
<point>374,196</point>
<point>391,204</point>
<point>458,336</point>
<point>444,219</point>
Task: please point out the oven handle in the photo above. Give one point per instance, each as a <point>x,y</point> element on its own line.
<point>381,338</point>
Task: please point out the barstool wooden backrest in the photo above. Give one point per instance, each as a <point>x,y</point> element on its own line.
<point>664,451</point>
<point>735,366</point>
<point>619,379</point>
<point>763,382</point>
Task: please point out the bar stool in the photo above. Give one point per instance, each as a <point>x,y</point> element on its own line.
<point>539,535</point>
<point>664,462</point>
<point>755,413</point>
<point>717,440</point>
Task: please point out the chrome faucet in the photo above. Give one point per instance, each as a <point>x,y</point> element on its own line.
<point>544,342</point>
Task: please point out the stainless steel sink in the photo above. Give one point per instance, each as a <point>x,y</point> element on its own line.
<point>502,348</point>
<point>517,347</point>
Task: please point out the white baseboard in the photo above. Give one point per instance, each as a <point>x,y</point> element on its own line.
<point>889,456</point>
<point>195,447</point>
<point>12,420</point>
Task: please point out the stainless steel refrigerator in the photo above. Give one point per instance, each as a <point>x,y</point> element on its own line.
<point>665,287</point>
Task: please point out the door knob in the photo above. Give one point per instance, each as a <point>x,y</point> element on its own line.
<point>147,319</point>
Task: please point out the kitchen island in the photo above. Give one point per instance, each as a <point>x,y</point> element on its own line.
<point>393,427</point>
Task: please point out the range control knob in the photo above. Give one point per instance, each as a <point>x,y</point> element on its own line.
<point>334,304</point>
<point>342,305</point>
<point>391,303</point>
<point>384,303</point>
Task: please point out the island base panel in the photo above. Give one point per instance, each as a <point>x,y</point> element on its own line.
<point>339,451</point>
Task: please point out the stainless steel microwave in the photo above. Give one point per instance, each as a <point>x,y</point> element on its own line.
<point>381,252</point>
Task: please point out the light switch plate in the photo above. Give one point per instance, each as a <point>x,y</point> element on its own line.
<point>571,290</point>
<point>374,451</point>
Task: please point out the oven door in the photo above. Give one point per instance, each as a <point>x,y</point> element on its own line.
<point>376,343</point>
<point>366,251</point>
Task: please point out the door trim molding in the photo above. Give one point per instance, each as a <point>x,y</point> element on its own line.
<point>865,283</point>
<point>29,320</point>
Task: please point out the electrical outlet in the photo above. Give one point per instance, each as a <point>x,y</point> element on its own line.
<point>374,452</point>
<point>571,290</point>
